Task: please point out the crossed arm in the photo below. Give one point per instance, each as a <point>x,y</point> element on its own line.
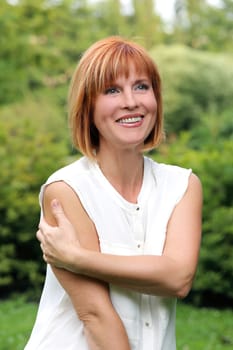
<point>70,244</point>
<point>171,274</point>
<point>90,297</point>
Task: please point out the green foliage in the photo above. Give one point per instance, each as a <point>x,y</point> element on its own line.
<point>32,145</point>
<point>197,328</point>
<point>40,44</point>
<point>16,318</point>
<point>148,21</point>
<point>193,82</point>
<point>202,328</point>
<point>200,25</point>
<point>42,40</point>
<point>212,162</point>
<point>215,272</point>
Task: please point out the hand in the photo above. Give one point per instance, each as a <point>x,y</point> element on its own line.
<point>58,242</point>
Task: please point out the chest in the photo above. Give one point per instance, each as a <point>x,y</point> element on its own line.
<point>130,230</point>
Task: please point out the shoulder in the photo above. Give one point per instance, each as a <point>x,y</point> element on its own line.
<point>64,182</point>
<point>195,186</point>
<point>57,189</point>
<point>166,172</point>
<point>174,181</point>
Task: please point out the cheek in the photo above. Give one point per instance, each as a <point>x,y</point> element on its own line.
<point>105,109</point>
<point>151,102</point>
<point>153,106</point>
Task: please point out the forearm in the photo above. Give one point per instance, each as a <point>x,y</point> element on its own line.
<point>105,331</point>
<point>157,275</point>
<point>90,297</point>
<point>103,327</point>
<point>170,274</point>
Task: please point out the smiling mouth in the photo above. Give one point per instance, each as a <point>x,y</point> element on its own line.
<point>130,120</point>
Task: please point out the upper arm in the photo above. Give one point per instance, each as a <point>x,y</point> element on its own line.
<point>86,294</point>
<point>184,230</point>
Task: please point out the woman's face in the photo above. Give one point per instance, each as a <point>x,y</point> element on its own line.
<point>125,112</point>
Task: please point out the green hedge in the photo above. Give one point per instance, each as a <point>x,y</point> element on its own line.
<point>32,145</point>
<point>198,109</point>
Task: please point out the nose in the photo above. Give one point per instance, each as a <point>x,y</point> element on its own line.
<point>129,99</point>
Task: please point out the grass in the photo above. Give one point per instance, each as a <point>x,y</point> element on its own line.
<point>204,329</point>
<point>197,328</point>
<point>16,320</point>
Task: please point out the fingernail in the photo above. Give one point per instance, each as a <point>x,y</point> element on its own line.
<point>55,203</point>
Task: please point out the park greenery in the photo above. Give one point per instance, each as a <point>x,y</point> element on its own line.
<point>41,42</point>
<point>203,328</point>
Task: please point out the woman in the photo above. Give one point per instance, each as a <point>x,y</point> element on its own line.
<point>122,232</point>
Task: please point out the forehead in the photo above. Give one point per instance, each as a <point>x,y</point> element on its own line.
<point>124,69</point>
<point>108,64</point>
<point>132,76</point>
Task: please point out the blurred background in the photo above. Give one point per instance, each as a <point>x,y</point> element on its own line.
<point>40,44</point>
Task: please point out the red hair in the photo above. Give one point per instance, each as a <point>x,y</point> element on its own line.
<point>99,67</point>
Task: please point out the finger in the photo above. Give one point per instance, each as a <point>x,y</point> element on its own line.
<point>43,251</point>
<point>44,254</point>
<point>58,212</point>
<point>45,258</point>
<point>43,225</point>
<point>40,236</point>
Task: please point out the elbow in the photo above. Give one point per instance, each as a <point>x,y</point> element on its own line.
<point>183,287</point>
<point>95,315</point>
<point>91,327</point>
<point>90,317</point>
<point>183,291</point>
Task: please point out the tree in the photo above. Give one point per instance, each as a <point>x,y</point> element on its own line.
<point>201,25</point>
<point>212,162</point>
<point>40,44</point>
<point>146,23</point>
<point>32,145</point>
<point>192,82</point>
<point>12,80</point>
<point>109,19</point>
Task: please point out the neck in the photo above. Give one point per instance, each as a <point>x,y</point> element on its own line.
<point>124,170</point>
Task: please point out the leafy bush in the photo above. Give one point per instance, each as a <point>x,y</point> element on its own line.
<point>34,142</point>
<point>198,92</point>
<point>195,84</point>
<point>213,164</point>
<point>32,145</point>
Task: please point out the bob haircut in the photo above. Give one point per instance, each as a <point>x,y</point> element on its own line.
<point>99,67</point>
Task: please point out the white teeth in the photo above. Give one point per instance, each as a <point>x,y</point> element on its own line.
<point>130,120</point>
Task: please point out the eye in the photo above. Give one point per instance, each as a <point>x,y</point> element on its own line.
<point>142,86</point>
<point>111,90</point>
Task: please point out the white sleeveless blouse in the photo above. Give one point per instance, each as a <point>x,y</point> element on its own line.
<point>124,229</point>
